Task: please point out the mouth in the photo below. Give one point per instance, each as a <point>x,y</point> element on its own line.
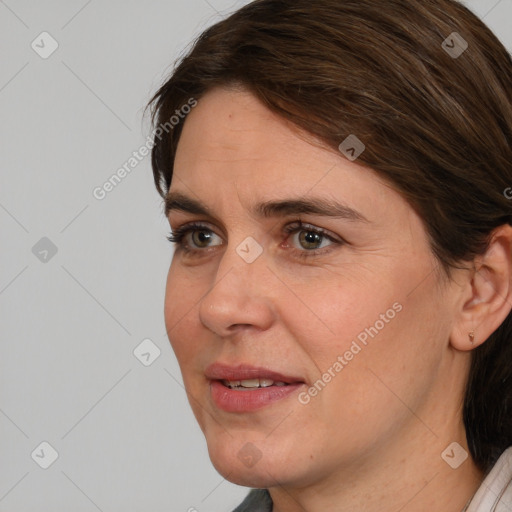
<point>246,388</point>
<point>248,384</point>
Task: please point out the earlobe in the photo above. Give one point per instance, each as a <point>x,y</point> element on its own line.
<point>490,293</point>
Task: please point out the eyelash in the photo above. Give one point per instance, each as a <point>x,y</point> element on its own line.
<point>177,237</point>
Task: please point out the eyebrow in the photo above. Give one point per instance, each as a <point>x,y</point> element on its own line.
<point>282,207</point>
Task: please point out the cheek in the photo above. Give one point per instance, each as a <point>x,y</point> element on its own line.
<point>181,302</point>
<point>325,315</point>
<point>354,331</point>
<point>181,313</point>
<point>173,308</point>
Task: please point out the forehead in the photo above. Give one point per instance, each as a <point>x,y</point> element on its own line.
<point>234,150</point>
<point>233,125</point>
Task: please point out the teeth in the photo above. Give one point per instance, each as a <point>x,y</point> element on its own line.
<point>251,383</point>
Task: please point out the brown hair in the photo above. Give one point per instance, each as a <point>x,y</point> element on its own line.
<point>436,124</point>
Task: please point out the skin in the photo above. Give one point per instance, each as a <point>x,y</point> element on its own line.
<point>372,438</point>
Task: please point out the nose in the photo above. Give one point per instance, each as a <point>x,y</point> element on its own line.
<point>239,298</point>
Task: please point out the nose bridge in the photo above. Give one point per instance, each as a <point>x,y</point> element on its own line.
<point>243,262</point>
<point>239,294</point>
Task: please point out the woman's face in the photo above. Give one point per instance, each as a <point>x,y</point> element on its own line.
<point>343,323</point>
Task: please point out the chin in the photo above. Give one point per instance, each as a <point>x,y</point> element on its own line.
<point>257,478</point>
<point>261,476</point>
<point>250,461</point>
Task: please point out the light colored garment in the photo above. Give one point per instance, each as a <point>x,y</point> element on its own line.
<point>493,495</point>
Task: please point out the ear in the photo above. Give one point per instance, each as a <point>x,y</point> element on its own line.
<point>487,298</point>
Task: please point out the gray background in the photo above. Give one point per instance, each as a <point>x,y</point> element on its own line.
<point>123,430</point>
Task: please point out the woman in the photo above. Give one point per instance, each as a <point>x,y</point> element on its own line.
<point>335,174</point>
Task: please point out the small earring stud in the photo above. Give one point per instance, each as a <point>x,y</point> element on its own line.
<point>472,337</point>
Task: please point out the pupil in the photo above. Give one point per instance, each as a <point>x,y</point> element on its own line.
<point>202,237</point>
<point>311,237</point>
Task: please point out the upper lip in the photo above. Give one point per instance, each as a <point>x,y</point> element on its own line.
<point>219,371</point>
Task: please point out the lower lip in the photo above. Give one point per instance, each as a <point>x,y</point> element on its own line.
<point>232,400</point>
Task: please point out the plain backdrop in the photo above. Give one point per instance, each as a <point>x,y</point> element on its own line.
<point>93,415</point>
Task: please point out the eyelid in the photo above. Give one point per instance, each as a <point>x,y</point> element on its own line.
<point>299,225</point>
<point>295,226</point>
<point>308,255</point>
<point>177,234</point>
<point>288,228</point>
<point>194,223</point>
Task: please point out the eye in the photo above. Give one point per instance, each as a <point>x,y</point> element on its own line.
<point>200,236</point>
<point>311,240</point>
<point>195,239</point>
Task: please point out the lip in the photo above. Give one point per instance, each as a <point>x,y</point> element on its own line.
<point>236,401</point>
<point>219,371</point>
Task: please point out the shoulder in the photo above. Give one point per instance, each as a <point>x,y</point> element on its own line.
<point>495,493</point>
<point>258,500</point>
